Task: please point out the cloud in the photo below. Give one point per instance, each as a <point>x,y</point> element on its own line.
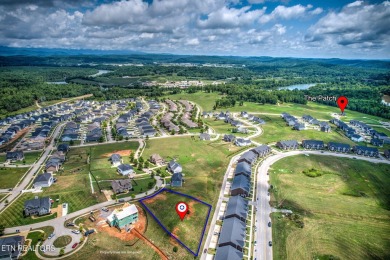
<point>193,42</point>
<point>356,25</point>
<point>284,12</point>
<point>230,18</point>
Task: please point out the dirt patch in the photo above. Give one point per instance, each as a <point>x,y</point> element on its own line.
<point>148,242</point>
<point>160,196</point>
<point>120,152</point>
<point>191,209</point>
<point>173,241</point>
<point>102,226</point>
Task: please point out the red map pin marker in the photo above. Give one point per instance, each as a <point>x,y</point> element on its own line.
<point>342,102</point>
<point>181,209</point>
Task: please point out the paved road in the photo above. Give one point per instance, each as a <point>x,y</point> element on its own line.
<point>29,176</point>
<point>264,233</point>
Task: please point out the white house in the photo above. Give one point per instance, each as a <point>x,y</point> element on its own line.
<point>43,180</point>
<point>125,169</point>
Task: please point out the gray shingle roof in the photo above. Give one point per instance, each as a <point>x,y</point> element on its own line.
<point>237,205</point>
<point>228,253</point>
<point>233,230</point>
<point>241,181</point>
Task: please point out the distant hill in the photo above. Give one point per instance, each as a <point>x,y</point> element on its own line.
<point>11,51</point>
<point>10,56</point>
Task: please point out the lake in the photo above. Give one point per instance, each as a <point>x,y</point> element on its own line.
<point>299,86</point>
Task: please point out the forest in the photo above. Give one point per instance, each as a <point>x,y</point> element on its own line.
<point>254,79</point>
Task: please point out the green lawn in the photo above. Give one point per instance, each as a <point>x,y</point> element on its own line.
<point>36,236</point>
<point>206,160</point>
<point>9,177</point>
<point>62,241</point>
<point>345,211</point>
<point>205,100</point>
<point>221,127</point>
<point>13,215</point>
<point>29,158</point>
<point>275,129</point>
<point>189,230</point>
<point>317,110</point>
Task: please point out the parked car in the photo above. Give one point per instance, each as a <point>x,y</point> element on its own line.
<point>255,243</point>
<point>70,224</point>
<point>270,243</point>
<point>105,209</point>
<point>88,232</point>
<point>51,236</point>
<point>75,245</point>
<point>269,224</point>
<point>121,200</point>
<point>75,231</point>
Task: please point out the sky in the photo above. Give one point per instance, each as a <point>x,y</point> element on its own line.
<point>287,28</point>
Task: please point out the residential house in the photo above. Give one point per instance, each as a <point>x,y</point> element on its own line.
<point>11,247</point>
<point>121,186</point>
<point>52,166</point>
<point>229,138</point>
<point>228,253</point>
<point>288,144</point>
<point>37,206</point>
<point>174,167</point>
<point>15,156</point>
<point>313,144</point>
<point>299,126</point>
<point>261,150</point>
<point>242,142</point>
<point>325,127</point>
<point>339,147</point>
<point>177,179</point>
<point>243,168</point>
<point>357,138</point>
<point>63,148</point>
<point>250,157</point>
<point>125,169</point>
<point>204,137</point>
<point>386,153</point>
<point>241,186</point>
<point>116,160</point>
<point>237,207</point>
<point>43,180</point>
<point>377,142</point>
<point>156,159</point>
<point>124,217</point>
<point>233,234</point>
<point>366,151</point>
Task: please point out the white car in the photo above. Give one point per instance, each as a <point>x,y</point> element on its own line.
<point>75,231</point>
<point>51,236</point>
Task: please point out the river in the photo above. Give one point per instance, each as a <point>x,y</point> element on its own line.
<point>299,86</point>
<point>100,72</point>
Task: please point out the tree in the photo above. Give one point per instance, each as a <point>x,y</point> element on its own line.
<point>150,185</point>
<point>101,139</point>
<point>175,248</point>
<point>152,175</point>
<point>141,160</point>
<point>71,142</point>
<point>132,157</point>
<point>2,228</point>
<point>146,164</point>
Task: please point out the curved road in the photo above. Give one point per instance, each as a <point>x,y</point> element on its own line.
<point>264,233</point>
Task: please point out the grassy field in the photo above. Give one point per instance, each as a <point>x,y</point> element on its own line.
<point>205,100</point>
<point>223,128</point>
<point>319,111</point>
<point>276,129</point>
<point>201,160</point>
<point>189,230</point>
<point>9,177</point>
<point>345,210</point>
<point>29,158</point>
<point>62,241</point>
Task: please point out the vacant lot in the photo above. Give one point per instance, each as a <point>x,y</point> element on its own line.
<point>206,161</point>
<point>276,130</point>
<point>205,100</point>
<point>9,177</point>
<point>189,230</point>
<point>345,210</point>
<point>29,158</point>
